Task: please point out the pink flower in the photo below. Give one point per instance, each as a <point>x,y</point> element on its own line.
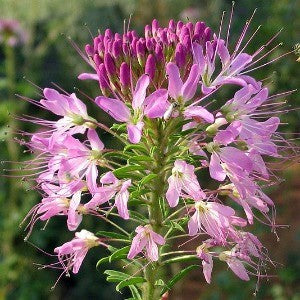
<point>72,254</point>
<point>184,179</point>
<point>72,110</point>
<point>183,92</point>
<point>57,203</point>
<point>213,219</point>
<point>207,261</point>
<point>153,106</point>
<point>247,194</point>
<point>234,264</point>
<point>82,161</point>
<point>225,160</point>
<point>232,65</point>
<point>146,238</point>
<point>12,33</point>
<point>112,187</point>
<point>241,110</point>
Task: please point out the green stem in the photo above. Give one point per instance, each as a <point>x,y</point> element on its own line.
<point>152,271</point>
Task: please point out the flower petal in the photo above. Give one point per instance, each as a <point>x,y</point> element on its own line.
<point>157,104</point>
<point>190,86</point>
<point>135,132</point>
<point>175,82</point>
<point>139,94</point>
<point>215,169</point>
<point>199,112</point>
<point>114,107</point>
<point>87,76</point>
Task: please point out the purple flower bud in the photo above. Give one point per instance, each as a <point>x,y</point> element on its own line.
<point>101,48</point>
<point>89,50</point>
<point>96,43</point>
<point>109,64</point>
<point>129,36</point>
<point>106,41</point>
<point>140,48</point>
<point>108,33</point>
<point>164,36</point>
<point>172,38</point>
<point>133,46</point>
<point>147,31</point>
<point>97,60</point>
<point>109,46</point>
<point>125,48</point>
<point>150,66</point>
<point>118,36</point>
<point>125,75</point>
<point>134,34</point>
<point>178,27</point>
<point>103,79</point>
<point>180,55</point>
<point>149,44</point>
<point>187,42</point>
<point>190,27</point>
<point>117,48</point>
<point>196,38</point>
<point>199,28</point>
<point>159,52</point>
<point>155,26</point>
<point>207,34</point>
<point>183,33</point>
<point>172,25</point>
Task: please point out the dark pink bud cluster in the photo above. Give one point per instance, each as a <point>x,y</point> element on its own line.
<point>116,57</point>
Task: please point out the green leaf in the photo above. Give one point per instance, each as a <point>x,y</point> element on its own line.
<point>103,260</point>
<point>115,276</point>
<point>135,202</point>
<point>147,179</point>
<point>117,155</point>
<point>153,150</point>
<point>178,277</point>
<point>139,158</point>
<point>112,235</point>
<point>118,127</point>
<point>137,193</point>
<point>139,216</point>
<point>130,281</point>
<point>135,292</point>
<point>120,253</point>
<point>177,226</point>
<point>134,147</point>
<point>125,171</point>
<point>182,258</point>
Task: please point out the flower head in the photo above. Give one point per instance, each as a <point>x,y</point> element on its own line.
<point>72,254</point>
<point>148,239</point>
<point>111,187</point>
<point>183,179</point>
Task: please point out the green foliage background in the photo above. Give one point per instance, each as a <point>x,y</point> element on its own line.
<point>47,56</point>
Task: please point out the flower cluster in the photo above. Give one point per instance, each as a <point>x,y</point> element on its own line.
<point>185,158</point>
<point>11,32</point>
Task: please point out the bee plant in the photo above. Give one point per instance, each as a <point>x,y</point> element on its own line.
<point>185,182</point>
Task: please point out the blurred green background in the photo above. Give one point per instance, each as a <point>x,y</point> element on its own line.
<point>45,56</point>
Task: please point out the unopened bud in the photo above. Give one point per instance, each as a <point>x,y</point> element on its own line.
<point>124,75</point>
<point>159,52</point>
<point>89,50</point>
<point>117,48</point>
<point>150,66</point>
<point>109,64</point>
<point>180,55</point>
